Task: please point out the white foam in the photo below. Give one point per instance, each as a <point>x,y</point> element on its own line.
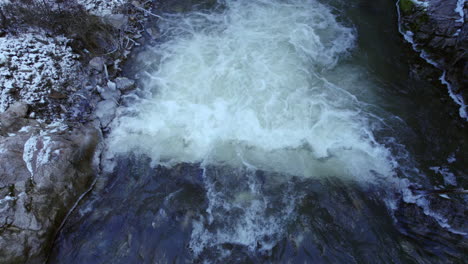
<point>250,86</point>
<point>449,177</point>
<point>255,224</point>
<point>458,98</point>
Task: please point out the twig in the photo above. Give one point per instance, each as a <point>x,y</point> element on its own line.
<point>148,12</point>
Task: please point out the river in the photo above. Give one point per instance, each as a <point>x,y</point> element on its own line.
<point>277,131</point>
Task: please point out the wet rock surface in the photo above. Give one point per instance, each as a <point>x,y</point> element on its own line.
<point>437,28</point>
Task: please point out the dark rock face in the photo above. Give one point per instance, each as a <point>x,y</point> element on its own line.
<point>438,29</point>
<point>43,171</point>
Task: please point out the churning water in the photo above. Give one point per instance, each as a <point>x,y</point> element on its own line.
<point>249,86</point>
<point>264,98</point>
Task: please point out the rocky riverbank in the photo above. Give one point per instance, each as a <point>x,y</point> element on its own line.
<point>60,85</point>
<point>437,29</point>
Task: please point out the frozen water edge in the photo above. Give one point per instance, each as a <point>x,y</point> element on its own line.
<point>408,36</point>
<point>459,10</point>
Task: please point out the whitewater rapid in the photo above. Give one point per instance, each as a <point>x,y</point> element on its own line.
<point>257,84</point>
<point>258,92</point>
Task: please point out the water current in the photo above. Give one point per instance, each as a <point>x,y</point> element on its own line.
<point>276,131</point>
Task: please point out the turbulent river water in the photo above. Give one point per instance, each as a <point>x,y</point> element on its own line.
<point>276,131</point>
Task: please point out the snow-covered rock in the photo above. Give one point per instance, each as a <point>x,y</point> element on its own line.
<point>101,7</point>
<point>97,63</point>
<point>95,7</point>
<point>105,111</point>
<point>124,84</point>
<point>36,67</point>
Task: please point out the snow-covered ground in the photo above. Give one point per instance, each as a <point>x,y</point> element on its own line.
<point>101,7</point>
<point>95,7</point>
<point>34,67</point>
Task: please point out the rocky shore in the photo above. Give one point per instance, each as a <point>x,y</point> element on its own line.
<point>437,30</point>
<point>60,85</point>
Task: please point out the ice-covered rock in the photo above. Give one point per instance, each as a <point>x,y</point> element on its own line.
<point>101,7</point>
<point>97,63</point>
<point>105,111</point>
<point>110,92</point>
<point>124,84</point>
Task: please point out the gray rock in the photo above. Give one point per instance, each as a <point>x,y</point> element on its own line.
<point>42,174</point>
<point>153,32</point>
<point>441,32</point>
<point>105,112</point>
<point>110,92</point>
<point>117,21</point>
<point>97,63</point>
<point>13,118</point>
<point>124,84</point>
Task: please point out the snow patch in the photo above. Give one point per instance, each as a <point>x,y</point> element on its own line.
<point>423,4</point>
<point>30,147</point>
<point>460,11</point>
<point>101,7</point>
<point>7,198</point>
<point>43,156</point>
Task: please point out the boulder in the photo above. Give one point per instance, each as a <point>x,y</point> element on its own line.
<point>13,118</point>
<point>42,174</point>
<point>97,63</point>
<point>117,21</point>
<point>124,84</point>
<point>105,112</point>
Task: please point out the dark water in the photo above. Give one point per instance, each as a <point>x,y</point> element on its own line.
<point>142,214</point>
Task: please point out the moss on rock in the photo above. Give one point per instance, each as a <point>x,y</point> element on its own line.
<point>406,5</point>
